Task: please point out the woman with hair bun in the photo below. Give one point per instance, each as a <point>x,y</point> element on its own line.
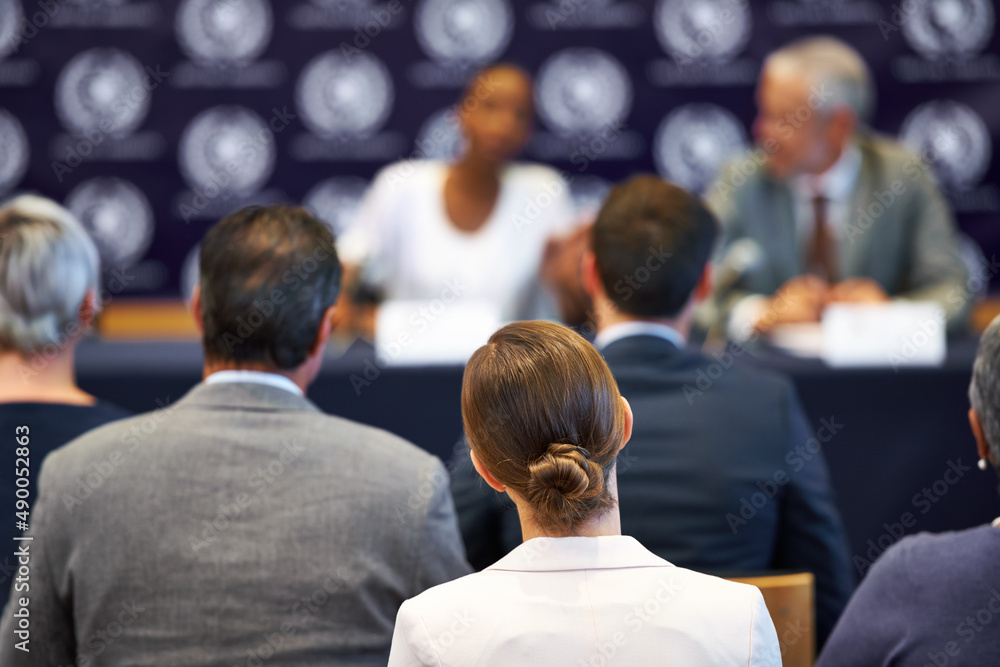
<point>545,423</point>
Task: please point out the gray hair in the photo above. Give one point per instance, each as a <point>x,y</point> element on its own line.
<point>833,66</point>
<point>984,390</point>
<point>47,264</point>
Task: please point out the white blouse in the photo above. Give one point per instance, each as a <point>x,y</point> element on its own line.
<point>408,246</point>
<point>583,601</point>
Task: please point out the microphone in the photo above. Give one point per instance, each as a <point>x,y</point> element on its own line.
<point>743,256</point>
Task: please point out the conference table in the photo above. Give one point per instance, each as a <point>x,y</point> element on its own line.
<point>902,461</point>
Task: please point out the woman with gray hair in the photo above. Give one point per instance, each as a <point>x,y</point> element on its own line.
<point>935,599</point>
<point>49,273</point>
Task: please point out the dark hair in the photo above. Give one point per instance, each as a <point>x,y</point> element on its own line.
<point>543,414</point>
<point>268,274</point>
<point>651,241</point>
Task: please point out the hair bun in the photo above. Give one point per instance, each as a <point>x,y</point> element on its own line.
<point>565,482</point>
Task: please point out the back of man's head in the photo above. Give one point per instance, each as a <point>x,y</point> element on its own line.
<point>651,242</point>
<point>268,275</point>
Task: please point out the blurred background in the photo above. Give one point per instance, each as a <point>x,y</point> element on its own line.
<point>151,119</point>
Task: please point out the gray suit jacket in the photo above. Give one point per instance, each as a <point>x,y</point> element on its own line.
<point>239,526</point>
<point>900,232</point>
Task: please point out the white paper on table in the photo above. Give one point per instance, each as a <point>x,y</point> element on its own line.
<point>895,334</point>
<point>413,333</point>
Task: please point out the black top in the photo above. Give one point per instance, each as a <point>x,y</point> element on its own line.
<point>50,426</point>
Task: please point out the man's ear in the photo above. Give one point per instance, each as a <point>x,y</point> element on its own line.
<point>196,309</point>
<point>703,290</point>
<point>325,327</point>
<point>88,309</point>
<point>494,483</point>
<point>842,125</point>
<point>982,446</point>
<point>589,274</point>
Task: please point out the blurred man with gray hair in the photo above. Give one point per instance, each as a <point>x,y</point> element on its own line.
<point>823,210</point>
<point>49,295</point>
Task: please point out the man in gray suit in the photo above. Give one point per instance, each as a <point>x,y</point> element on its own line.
<point>824,211</point>
<point>240,525</point>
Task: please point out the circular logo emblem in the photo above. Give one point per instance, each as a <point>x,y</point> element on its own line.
<point>694,141</point>
<point>953,138</point>
<point>341,97</point>
<point>229,146</point>
<point>464,32</point>
<point>10,22</point>
<point>440,137</point>
<point>14,151</point>
<point>582,90</point>
<point>335,201</point>
<point>224,32</point>
<point>702,29</point>
<point>949,27</point>
<point>102,85</point>
<point>118,217</point>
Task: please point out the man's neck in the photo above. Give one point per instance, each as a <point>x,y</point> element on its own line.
<point>608,316</point>
<point>297,375</point>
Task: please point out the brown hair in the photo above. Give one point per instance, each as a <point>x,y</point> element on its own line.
<point>543,414</point>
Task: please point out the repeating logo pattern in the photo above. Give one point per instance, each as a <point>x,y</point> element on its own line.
<point>938,28</point>
<point>117,216</point>
<point>97,86</point>
<point>702,29</point>
<point>223,32</point>
<point>342,96</point>
<point>464,31</point>
<point>693,143</point>
<point>230,146</point>
<point>953,137</point>
<point>14,151</point>
<point>582,91</point>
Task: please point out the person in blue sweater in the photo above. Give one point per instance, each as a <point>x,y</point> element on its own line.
<point>935,599</point>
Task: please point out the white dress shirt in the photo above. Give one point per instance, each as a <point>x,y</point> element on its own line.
<point>257,377</point>
<point>581,601</point>
<point>626,329</point>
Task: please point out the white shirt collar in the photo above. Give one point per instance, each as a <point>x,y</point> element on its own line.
<point>256,377</point>
<point>553,554</point>
<point>836,183</point>
<point>626,329</point>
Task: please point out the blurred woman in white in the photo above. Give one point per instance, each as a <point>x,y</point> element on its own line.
<point>481,226</point>
<point>49,282</point>
<point>545,423</point>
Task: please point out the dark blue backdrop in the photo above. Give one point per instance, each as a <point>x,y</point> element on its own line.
<point>151,118</point>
